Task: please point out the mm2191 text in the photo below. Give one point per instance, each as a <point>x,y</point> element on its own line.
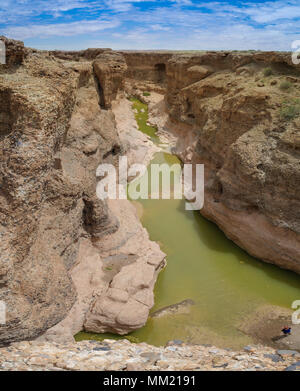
<point>157,380</point>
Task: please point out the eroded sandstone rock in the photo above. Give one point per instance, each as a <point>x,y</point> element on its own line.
<point>15,52</point>
<point>40,209</point>
<point>53,135</point>
<point>124,306</point>
<point>110,69</point>
<point>223,119</point>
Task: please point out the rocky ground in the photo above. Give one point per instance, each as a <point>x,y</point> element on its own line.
<point>112,355</point>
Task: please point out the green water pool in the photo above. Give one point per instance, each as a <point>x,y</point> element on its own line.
<point>225,283</point>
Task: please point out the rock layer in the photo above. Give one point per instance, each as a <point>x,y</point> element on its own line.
<point>15,52</point>
<point>54,132</point>
<point>229,116</point>
<point>250,152</point>
<point>110,69</point>
<point>124,306</point>
<point>40,209</point>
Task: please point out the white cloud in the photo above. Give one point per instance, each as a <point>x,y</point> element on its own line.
<point>158,27</point>
<point>270,14</point>
<point>122,5</point>
<point>259,12</point>
<point>218,24</point>
<point>241,37</point>
<point>182,2</point>
<point>61,29</point>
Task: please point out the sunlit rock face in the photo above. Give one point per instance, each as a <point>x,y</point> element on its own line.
<point>109,69</point>
<point>15,52</point>
<point>53,135</point>
<point>250,146</point>
<point>233,111</point>
<point>56,127</point>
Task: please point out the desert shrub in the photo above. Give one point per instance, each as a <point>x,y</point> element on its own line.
<point>285,85</point>
<point>290,110</point>
<point>267,72</point>
<point>146,94</point>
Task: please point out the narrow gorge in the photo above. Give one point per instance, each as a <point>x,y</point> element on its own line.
<point>150,271</point>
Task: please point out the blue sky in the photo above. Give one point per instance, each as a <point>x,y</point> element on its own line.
<point>157,24</point>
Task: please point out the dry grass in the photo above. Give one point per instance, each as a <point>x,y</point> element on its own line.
<point>290,109</point>
<point>285,85</point>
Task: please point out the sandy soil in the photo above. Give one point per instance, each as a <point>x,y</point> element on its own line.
<point>265,327</point>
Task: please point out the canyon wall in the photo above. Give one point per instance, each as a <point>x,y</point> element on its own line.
<point>237,113</point>
<point>56,127</point>
<point>147,66</point>
<point>49,153</point>
<point>239,108</point>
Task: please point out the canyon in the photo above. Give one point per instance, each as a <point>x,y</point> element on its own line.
<point>70,261</point>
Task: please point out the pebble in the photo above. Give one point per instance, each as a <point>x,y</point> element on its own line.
<point>175,342</point>
<point>102,348</point>
<point>288,353</point>
<point>123,355</point>
<point>294,367</point>
<point>151,357</point>
<point>248,349</point>
<point>134,367</point>
<point>274,357</point>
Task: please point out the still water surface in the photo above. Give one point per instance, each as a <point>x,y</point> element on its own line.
<point>225,283</point>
